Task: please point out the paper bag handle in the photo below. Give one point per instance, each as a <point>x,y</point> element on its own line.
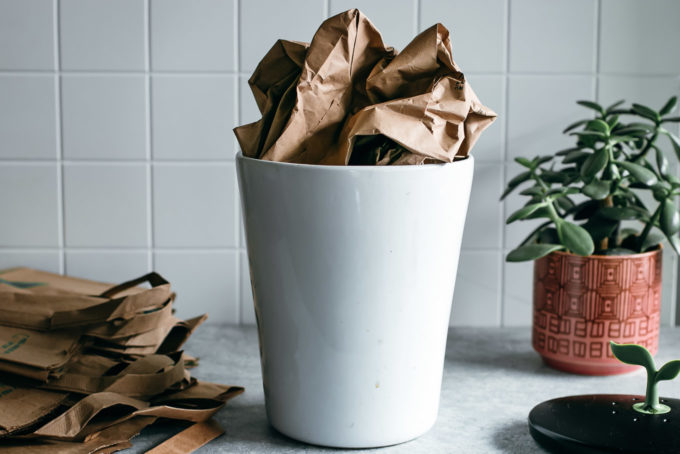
<point>152,278</point>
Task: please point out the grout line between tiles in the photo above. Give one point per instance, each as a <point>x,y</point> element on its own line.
<point>237,115</point>
<point>504,157</point>
<point>218,73</point>
<point>176,249</point>
<point>416,16</point>
<point>596,53</point>
<point>61,201</point>
<point>149,136</point>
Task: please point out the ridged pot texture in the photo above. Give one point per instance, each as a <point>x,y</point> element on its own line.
<point>581,303</point>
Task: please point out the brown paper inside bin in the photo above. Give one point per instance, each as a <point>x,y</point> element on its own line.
<point>317,101</point>
<point>43,301</point>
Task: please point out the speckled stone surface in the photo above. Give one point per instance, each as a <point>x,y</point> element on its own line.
<point>492,379</point>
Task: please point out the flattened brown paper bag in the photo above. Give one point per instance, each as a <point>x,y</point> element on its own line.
<point>145,377</point>
<point>44,301</point>
<point>22,407</point>
<point>35,354</point>
<point>111,439</point>
<point>317,101</point>
<point>100,410</point>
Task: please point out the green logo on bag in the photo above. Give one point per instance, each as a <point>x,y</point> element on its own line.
<point>19,284</point>
<point>17,340</point>
<point>6,389</point>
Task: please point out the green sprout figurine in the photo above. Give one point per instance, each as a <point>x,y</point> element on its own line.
<point>640,356</point>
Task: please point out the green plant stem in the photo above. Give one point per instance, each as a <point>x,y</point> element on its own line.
<point>652,393</point>
<point>552,212</point>
<point>649,225</point>
<point>647,146</point>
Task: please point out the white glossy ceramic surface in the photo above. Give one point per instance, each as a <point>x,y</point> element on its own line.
<point>353,271</point>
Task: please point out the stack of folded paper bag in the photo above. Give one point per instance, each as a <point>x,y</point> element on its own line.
<point>85,366</point>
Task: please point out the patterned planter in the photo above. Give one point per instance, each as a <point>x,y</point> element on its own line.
<point>581,303</point>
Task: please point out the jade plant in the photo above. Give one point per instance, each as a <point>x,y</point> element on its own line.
<point>640,356</point>
<point>587,194</point>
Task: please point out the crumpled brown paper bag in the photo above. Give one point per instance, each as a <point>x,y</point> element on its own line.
<point>318,100</point>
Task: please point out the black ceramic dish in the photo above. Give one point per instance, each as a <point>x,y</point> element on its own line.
<point>605,423</point>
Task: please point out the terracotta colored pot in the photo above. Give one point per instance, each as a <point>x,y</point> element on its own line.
<point>581,303</point>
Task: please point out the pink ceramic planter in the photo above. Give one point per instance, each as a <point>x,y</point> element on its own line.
<point>581,303</point>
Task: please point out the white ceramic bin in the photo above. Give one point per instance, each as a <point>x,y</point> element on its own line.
<point>352,271</point>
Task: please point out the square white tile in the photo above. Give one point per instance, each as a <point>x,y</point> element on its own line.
<point>539,108</point>
<point>192,35</point>
<point>553,37</point>
<point>293,20</point>
<point>648,90</point>
<point>45,261</point>
<point>247,308</point>
<point>476,301</point>
<point>640,37</point>
<point>28,117</point>
<point>102,34</point>
<point>491,92</point>
<point>193,117</point>
<point>194,205</point>
<point>205,282</point>
<point>518,293</point>
<point>27,34</point>
<point>393,18</point>
<point>483,223</point>
<point>104,117</point>
<point>113,267</point>
<point>477,27</point>
<point>29,206</point>
<point>105,205</point>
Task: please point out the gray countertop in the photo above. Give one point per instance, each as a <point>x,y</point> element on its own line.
<point>492,379</point>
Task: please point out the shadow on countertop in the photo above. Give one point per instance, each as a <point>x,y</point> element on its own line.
<point>505,349</point>
<point>514,438</point>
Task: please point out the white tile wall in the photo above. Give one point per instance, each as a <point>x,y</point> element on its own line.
<point>194,205</point>
<point>29,26</point>
<point>116,151</point>
<point>205,281</point>
<point>102,34</point>
<point>28,116</point>
<point>392,26</point>
<point>553,37</point>
<point>193,116</point>
<point>107,266</point>
<point>193,35</point>
<point>105,205</point>
<point>29,205</point>
<point>104,116</point>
